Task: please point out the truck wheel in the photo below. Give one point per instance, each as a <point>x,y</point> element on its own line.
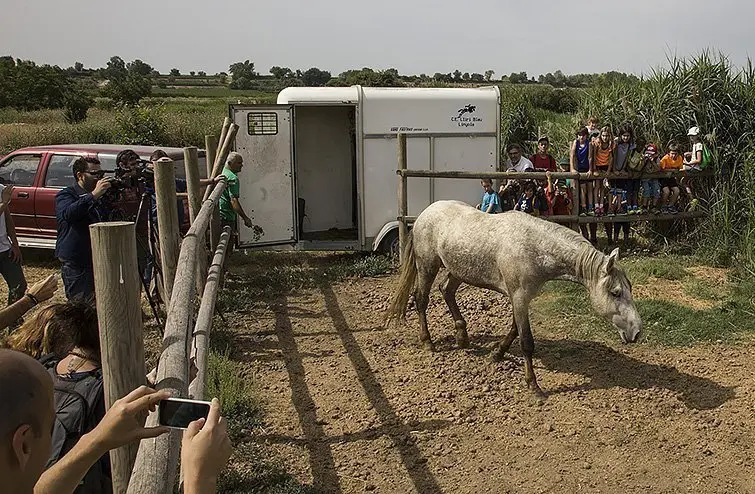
<point>389,245</point>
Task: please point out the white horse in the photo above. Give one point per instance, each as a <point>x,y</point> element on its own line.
<point>512,253</point>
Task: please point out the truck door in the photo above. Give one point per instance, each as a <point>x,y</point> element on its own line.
<point>265,141</point>
<point>20,170</point>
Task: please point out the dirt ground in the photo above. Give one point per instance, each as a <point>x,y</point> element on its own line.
<point>353,407</point>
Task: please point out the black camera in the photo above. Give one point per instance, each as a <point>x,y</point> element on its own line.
<point>129,177</point>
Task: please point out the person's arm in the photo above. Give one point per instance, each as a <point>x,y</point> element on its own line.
<point>121,425</point>
<point>72,208</point>
<point>236,205</point>
<point>38,293</point>
<point>5,198</point>
<point>10,227</point>
<point>573,157</point>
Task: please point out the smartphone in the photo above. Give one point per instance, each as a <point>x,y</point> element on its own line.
<point>178,413</point>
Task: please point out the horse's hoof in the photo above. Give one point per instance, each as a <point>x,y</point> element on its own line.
<point>540,397</point>
<point>428,345</point>
<point>496,355</point>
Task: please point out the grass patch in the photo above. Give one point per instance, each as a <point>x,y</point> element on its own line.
<point>640,269</point>
<point>667,323</point>
<point>265,275</point>
<point>252,468</point>
<point>260,474</point>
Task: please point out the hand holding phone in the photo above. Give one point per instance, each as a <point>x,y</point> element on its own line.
<point>205,451</point>
<point>178,413</point>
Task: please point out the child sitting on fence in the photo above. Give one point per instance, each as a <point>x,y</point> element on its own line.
<point>528,203</point>
<point>635,163</point>
<point>672,161</point>
<point>490,200</point>
<point>651,188</point>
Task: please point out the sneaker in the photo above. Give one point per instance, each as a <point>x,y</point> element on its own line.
<point>672,210</point>
<point>693,205</point>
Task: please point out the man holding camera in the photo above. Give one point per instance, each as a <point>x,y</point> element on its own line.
<point>77,207</point>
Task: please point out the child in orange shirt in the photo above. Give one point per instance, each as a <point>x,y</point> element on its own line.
<point>673,160</point>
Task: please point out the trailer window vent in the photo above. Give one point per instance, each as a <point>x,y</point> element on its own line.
<point>262,123</point>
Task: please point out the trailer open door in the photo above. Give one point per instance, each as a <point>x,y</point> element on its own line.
<point>265,141</point>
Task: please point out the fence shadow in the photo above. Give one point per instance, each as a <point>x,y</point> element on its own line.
<point>393,427</point>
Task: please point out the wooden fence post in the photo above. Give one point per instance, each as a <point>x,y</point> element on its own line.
<point>167,221</point>
<point>403,208</point>
<point>118,295</point>
<point>194,188</point>
<point>225,149</point>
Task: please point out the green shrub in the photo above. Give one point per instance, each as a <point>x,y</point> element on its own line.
<point>75,106</point>
<point>141,125</point>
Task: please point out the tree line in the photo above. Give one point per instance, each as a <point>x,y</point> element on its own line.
<point>27,86</point>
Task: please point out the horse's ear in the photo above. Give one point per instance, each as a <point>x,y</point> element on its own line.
<point>611,261</point>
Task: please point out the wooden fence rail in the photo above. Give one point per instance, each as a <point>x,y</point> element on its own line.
<point>574,220</point>
<point>203,325</point>
<point>157,459</point>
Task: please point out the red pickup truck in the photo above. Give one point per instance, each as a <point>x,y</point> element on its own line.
<point>38,173</point>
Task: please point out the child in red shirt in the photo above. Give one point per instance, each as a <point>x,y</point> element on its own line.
<point>542,160</point>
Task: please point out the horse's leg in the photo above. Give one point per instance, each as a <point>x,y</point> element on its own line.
<point>425,277</point>
<point>521,317</point>
<point>448,286</point>
<point>504,345</point>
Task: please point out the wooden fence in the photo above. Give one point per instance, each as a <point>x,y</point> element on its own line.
<point>151,466</point>
<point>573,220</point>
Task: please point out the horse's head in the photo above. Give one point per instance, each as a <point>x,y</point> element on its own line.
<point>611,295</point>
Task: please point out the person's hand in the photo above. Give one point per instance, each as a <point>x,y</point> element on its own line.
<point>248,222</point>
<point>45,289</point>
<point>15,254</point>
<point>205,449</point>
<point>7,194</point>
<point>102,186</point>
<point>122,424</point>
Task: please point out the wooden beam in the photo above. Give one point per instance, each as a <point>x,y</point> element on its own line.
<point>211,144</point>
<point>167,221</point>
<point>403,201</point>
<point>194,188</point>
<point>118,294</point>
<point>533,175</point>
<point>203,325</point>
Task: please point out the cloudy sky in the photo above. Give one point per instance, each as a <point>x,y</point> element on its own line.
<point>414,36</point>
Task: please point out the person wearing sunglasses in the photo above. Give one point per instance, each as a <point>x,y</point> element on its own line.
<point>76,207</point>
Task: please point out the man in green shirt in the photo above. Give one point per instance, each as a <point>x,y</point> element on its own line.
<point>229,201</point>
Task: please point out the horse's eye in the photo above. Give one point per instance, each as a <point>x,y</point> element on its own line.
<point>616,292</point>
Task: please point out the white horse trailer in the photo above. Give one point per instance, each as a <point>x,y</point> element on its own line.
<point>320,166</point>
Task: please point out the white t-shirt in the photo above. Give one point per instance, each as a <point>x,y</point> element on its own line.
<point>4,240</point>
<point>522,166</point>
<point>698,146</point>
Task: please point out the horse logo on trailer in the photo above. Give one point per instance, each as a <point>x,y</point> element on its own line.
<point>466,121</point>
<point>467,109</point>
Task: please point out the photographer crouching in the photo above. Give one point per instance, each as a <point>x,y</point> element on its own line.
<point>77,207</point>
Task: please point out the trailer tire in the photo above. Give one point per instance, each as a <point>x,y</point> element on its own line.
<point>389,245</point>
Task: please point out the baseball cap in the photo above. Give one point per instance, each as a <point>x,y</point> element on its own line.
<point>543,138</point>
<point>693,131</point>
<point>652,148</point>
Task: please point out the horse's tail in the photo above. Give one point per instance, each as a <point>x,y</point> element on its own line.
<point>407,278</point>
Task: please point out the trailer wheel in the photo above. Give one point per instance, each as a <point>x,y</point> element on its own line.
<point>389,245</point>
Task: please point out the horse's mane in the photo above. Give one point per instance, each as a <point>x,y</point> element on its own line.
<point>589,262</point>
